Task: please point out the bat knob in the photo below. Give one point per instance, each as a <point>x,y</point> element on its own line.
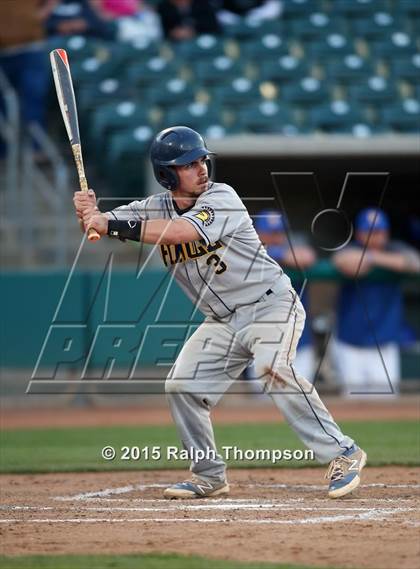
<point>93,235</point>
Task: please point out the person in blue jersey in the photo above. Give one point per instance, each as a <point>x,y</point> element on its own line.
<point>369,322</point>
<point>272,229</point>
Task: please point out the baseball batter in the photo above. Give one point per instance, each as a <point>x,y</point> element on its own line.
<point>207,240</point>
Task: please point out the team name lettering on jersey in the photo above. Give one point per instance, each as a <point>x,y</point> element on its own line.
<point>173,254</point>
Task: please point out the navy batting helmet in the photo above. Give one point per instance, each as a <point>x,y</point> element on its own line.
<point>175,146</point>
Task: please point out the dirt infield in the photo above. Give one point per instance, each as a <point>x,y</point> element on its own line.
<point>270,515</point>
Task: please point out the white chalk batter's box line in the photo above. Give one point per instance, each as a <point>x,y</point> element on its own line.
<point>142,487</point>
<point>307,500</point>
<point>372,516</point>
<point>286,507</point>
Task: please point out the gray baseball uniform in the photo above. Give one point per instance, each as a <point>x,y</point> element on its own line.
<point>252,314</point>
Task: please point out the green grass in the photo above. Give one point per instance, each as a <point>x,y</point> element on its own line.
<point>157,561</point>
<point>79,449</point>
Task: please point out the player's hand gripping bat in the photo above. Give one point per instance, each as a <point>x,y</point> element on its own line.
<point>67,101</point>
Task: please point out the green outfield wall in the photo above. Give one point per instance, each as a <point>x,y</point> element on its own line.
<point>96,319</point>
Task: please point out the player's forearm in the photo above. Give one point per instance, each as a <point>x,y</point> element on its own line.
<point>168,232</point>
<point>400,262</point>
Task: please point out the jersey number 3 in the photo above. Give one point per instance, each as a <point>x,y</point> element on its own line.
<point>219,265</point>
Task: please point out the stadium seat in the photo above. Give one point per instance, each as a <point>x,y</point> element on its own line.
<point>215,131</point>
<point>108,90</point>
<point>377,26</point>
<point>200,48</point>
<point>266,46</point>
<point>93,69</point>
<point>284,69</point>
<point>317,25</point>
<point>403,116</point>
<point>126,153</point>
<point>406,67</point>
<point>336,116</point>
<point>331,45</point>
<point>195,115</point>
<point>139,50</point>
<point>358,8</point>
<point>111,118</point>
<point>307,91</point>
<point>248,28</point>
<point>375,90</point>
<point>151,71</point>
<point>266,117</point>
<point>77,47</point>
<point>394,45</point>
<point>349,68</point>
<point>409,7</point>
<point>170,92</point>
<point>237,92</point>
<point>297,9</point>
<point>218,70</point>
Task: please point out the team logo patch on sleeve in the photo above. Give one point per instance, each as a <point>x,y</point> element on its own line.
<point>206,215</point>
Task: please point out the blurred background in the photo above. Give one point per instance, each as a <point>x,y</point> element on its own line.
<point>288,86</point>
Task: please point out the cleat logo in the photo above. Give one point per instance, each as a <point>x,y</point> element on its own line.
<point>354,465</point>
<point>203,487</point>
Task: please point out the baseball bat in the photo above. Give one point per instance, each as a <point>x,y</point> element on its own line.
<point>67,101</point>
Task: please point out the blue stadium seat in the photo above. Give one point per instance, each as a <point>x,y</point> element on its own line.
<point>266,46</point>
<point>375,90</point>
<point>123,163</point>
<point>93,69</point>
<point>170,92</point>
<point>317,25</point>
<point>108,90</point>
<point>408,7</point>
<point>194,115</point>
<point>200,48</point>
<point>407,67</point>
<point>237,92</point>
<point>266,117</point>
<point>297,9</point>
<point>336,116</point>
<point>332,45</point>
<point>377,26</point>
<point>307,91</point>
<point>358,8</point>
<point>284,69</point>
<point>111,118</point>
<point>349,68</point>
<point>77,47</point>
<point>403,116</point>
<point>218,70</point>
<point>394,45</point>
<point>151,71</point>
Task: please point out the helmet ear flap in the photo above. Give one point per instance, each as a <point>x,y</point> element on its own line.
<point>209,163</point>
<point>167,177</point>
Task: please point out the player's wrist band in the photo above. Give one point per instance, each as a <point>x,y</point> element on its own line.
<point>123,230</point>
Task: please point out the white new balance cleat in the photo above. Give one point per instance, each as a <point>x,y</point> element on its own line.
<point>196,488</point>
<point>344,472</point>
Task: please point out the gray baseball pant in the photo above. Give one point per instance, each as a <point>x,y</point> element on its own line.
<point>267,333</point>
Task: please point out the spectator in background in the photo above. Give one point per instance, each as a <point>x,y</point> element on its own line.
<point>135,19</point>
<point>370,323</point>
<point>272,230</point>
<point>23,58</point>
<point>232,11</point>
<point>80,17</point>
<point>185,19</point>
